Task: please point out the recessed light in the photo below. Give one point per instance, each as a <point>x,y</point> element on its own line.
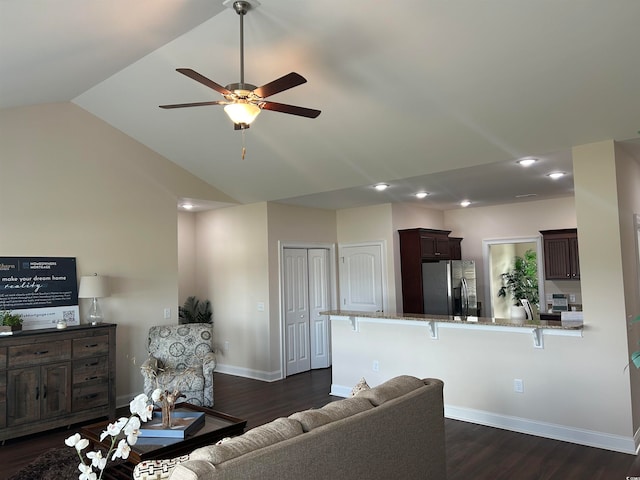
<point>421,194</point>
<point>187,206</point>
<point>465,203</point>
<point>556,175</point>
<point>527,162</point>
<point>381,186</point>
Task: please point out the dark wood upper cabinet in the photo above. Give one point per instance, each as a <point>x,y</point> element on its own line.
<point>418,245</point>
<point>561,259</point>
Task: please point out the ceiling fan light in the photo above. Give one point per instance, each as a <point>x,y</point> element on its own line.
<point>242,112</point>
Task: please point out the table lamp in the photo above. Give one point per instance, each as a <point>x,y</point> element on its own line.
<point>94,287</point>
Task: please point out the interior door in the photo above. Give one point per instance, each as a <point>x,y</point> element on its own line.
<point>297,315</point>
<point>319,301</point>
<point>361,286</point>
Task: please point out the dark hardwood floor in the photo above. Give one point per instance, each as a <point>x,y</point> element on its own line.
<point>473,451</point>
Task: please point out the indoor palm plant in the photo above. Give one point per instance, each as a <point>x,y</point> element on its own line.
<point>522,280</point>
<point>195,311</point>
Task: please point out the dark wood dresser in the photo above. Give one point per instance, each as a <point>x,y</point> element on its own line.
<point>51,378</point>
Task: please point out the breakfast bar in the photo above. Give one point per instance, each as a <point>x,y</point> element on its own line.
<point>514,374</point>
<point>537,328</point>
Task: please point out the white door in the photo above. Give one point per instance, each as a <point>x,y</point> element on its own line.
<point>306,294</point>
<point>296,301</point>
<point>319,301</point>
<point>361,286</point>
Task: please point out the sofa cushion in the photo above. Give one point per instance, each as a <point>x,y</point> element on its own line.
<point>331,412</point>
<point>391,389</point>
<point>259,437</point>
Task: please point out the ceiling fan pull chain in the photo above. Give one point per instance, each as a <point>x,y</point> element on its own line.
<point>244,150</point>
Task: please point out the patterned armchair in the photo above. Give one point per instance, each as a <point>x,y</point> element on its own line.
<point>181,357</point>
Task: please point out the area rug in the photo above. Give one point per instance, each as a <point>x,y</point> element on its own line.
<point>56,464</point>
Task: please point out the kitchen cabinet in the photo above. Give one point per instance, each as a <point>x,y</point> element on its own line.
<point>51,378</point>
<point>419,245</point>
<point>561,258</point>
<point>455,249</point>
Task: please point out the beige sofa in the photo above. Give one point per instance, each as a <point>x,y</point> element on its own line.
<point>394,430</point>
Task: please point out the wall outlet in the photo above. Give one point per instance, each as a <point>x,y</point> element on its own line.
<point>572,298</point>
<point>376,366</point>
<point>518,385</point>
<point>260,306</point>
<point>167,313</point>
<point>226,347</point>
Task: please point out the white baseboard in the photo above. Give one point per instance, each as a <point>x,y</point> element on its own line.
<point>247,373</point>
<point>590,438</point>
<point>340,391</point>
<point>606,441</point>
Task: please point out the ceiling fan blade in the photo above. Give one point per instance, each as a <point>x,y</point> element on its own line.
<point>291,109</point>
<point>196,104</point>
<point>203,80</point>
<point>281,84</point>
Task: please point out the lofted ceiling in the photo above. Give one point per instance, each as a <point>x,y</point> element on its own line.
<point>433,95</point>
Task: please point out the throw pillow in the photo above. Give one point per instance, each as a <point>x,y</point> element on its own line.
<point>359,387</point>
<point>156,469</point>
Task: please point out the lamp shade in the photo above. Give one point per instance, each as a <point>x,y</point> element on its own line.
<point>242,112</point>
<point>94,286</point>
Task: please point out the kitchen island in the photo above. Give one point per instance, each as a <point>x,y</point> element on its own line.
<point>519,375</point>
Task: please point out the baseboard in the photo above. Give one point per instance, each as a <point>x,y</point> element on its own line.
<point>590,438</point>
<point>606,441</point>
<point>340,391</point>
<point>248,373</point>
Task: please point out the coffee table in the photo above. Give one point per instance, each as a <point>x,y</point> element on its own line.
<point>217,426</point>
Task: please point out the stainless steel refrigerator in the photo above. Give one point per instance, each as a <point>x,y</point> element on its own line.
<point>449,287</point>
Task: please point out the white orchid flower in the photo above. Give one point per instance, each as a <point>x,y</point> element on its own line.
<point>132,429</point>
<point>156,396</point>
<point>87,472</point>
<point>122,451</point>
<point>114,429</point>
<point>77,441</point>
<point>140,406</point>
<point>97,460</point>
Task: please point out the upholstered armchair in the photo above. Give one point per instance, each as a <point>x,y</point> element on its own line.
<point>181,357</point>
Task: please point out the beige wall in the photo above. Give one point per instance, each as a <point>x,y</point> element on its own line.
<point>238,266</point>
<point>74,186</point>
<point>187,258</point>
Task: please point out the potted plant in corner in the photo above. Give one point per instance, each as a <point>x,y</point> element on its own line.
<point>9,322</point>
<point>521,282</point>
<point>195,311</point>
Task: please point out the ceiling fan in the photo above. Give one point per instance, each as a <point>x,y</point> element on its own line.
<point>243,101</point>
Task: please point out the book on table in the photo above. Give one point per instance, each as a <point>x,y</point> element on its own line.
<point>185,423</point>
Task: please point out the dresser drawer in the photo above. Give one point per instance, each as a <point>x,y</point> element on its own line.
<point>90,396</point>
<point>37,353</point>
<point>90,346</point>
<point>94,370</point>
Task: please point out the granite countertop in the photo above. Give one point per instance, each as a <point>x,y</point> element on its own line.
<point>418,317</point>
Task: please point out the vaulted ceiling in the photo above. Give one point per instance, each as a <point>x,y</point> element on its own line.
<point>433,95</point>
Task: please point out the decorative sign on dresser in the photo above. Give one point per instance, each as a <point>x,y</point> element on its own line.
<point>51,378</point>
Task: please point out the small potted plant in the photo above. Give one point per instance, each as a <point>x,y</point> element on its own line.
<point>10,322</point>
